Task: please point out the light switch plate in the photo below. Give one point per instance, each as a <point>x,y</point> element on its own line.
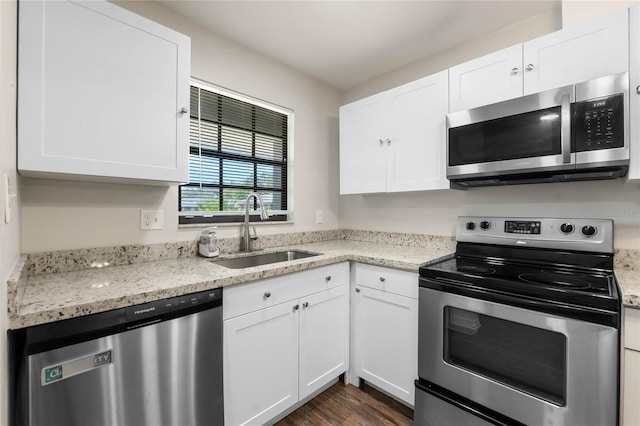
<point>151,219</point>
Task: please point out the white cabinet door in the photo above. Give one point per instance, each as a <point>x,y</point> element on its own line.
<point>634,93</point>
<point>416,151</point>
<point>363,135</point>
<point>324,338</point>
<point>631,405</point>
<point>576,54</point>
<point>386,338</point>
<point>492,78</point>
<point>100,94</point>
<point>260,364</point>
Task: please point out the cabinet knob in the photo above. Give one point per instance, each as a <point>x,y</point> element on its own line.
<point>388,141</point>
<point>327,278</point>
<point>529,67</point>
<point>515,71</point>
<point>638,90</point>
<point>305,305</point>
<point>357,290</point>
<point>184,110</point>
<point>382,279</point>
<point>296,307</point>
<point>381,142</point>
<point>267,294</point>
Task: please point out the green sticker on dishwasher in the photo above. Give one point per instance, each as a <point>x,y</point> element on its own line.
<point>52,374</point>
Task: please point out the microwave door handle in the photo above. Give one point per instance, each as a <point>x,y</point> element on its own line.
<point>565,130</point>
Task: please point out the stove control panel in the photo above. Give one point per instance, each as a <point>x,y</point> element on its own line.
<point>521,227</point>
<point>593,235</point>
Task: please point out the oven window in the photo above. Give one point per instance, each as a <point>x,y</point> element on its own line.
<point>530,359</point>
<point>532,134</point>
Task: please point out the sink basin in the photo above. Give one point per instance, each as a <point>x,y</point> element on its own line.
<point>263,259</point>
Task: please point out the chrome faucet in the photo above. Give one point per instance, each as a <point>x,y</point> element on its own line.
<point>247,237</point>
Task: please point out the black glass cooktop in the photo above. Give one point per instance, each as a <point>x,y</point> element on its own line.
<point>540,277</point>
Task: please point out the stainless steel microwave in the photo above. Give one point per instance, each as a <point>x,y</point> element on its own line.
<point>577,132</point>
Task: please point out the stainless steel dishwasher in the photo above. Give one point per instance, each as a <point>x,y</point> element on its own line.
<point>155,364</point>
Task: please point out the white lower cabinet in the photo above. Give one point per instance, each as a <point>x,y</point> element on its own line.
<point>277,355</point>
<point>631,375</point>
<point>385,329</point>
<point>260,364</point>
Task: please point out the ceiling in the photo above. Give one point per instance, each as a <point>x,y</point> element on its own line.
<point>344,43</point>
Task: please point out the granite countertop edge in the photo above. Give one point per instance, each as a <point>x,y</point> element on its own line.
<point>24,291</point>
<point>31,307</point>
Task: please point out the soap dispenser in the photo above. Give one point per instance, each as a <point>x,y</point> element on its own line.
<point>208,244</point>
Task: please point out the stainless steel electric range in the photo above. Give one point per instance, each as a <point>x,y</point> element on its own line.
<point>520,326</point>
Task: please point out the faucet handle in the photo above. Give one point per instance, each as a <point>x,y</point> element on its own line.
<point>253,235</point>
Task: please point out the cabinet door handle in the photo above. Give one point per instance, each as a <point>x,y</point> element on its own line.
<point>529,67</point>
<point>184,110</point>
<point>515,71</point>
<point>305,305</point>
<point>357,290</point>
<point>382,279</point>
<point>327,278</point>
<point>296,307</point>
<point>267,294</point>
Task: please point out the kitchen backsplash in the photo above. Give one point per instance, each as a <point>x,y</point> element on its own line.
<point>80,259</point>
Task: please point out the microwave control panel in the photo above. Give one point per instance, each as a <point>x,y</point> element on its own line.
<point>599,123</point>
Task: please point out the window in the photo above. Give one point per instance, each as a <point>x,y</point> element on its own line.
<point>237,146</point>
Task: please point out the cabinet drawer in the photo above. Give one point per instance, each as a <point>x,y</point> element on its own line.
<point>390,280</point>
<point>632,328</point>
<point>249,297</point>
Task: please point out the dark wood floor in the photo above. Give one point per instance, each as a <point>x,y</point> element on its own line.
<point>348,405</point>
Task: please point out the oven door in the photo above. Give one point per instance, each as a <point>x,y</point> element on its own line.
<point>524,135</point>
<point>534,367</point>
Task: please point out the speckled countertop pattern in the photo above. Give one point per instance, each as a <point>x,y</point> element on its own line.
<point>51,297</point>
<point>629,280</point>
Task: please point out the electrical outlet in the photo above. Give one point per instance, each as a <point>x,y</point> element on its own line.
<point>151,219</point>
<point>319,216</point>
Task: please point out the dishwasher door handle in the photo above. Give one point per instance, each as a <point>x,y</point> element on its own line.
<point>144,324</point>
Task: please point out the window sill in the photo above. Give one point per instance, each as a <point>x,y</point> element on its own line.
<point>232,224</point>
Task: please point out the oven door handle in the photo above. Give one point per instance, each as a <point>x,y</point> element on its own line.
<point>565,129</point>
<point>601,316</point>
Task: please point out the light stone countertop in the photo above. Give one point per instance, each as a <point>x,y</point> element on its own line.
<point>629,280</point>
<point>57,296</point>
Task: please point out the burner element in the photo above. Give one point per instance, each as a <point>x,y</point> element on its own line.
<point>475,269</point>
<point>556,280</point>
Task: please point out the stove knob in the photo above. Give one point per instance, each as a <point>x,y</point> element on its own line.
<point>588,231</point>
<point>470,226</point>
<point>485,225</point>
<point>567,228</point>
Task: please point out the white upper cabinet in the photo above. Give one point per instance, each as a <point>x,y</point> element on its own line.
<point>634,93</point>
<point>395,141</point>
<point>580,53</point>
<point>101,94</point>
<point>363,158</point>
<point>486,80</point>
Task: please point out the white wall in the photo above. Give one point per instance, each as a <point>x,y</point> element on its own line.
<point>9,233</point>
<point>435,212</point>
<point>63,215</point>
<point>519,32</point>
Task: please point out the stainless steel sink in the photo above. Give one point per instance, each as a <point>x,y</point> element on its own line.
<point>263,259</point>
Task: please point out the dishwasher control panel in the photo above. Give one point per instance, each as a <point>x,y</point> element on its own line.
<point>174,304</point>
